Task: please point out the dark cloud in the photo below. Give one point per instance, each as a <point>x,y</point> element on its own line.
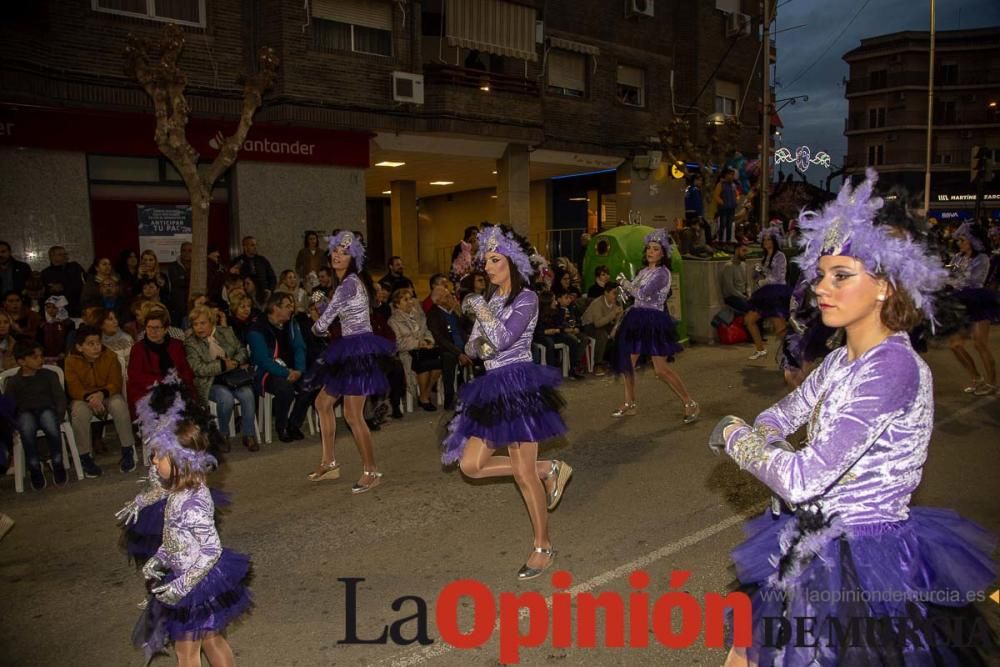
<point>810,61</point>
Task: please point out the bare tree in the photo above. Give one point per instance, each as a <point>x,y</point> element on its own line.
<point>164,81</point>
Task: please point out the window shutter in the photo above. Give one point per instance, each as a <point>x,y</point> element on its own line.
<point>630,76</point>
<point>567,70</point>
<point>368,13</point>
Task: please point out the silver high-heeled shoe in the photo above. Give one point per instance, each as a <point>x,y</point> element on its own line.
<point>526,572</point>
<point>626,410</point>
<point>694,415</point>
<point>562,471</point>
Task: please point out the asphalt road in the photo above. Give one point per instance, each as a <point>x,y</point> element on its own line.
<point>646,494</point>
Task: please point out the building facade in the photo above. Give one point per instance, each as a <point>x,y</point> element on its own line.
<point>405,119</point>
<point>887,99</point>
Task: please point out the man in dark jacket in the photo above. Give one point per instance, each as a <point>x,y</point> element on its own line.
<point>63,277</point>
<point>256,267</point>
<point>179,274</point>
<point>13,273</point>
<point>278,353</point>
<point>395,279</point>
<point>445,325</point>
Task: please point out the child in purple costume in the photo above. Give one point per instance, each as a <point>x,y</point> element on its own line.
<point>853,550</point>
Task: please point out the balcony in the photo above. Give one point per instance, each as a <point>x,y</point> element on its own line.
<point>911,156</point>
<point>440,74</point>
<point>917,119</point>
<point>942,80</point>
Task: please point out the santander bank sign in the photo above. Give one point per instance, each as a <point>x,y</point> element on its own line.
<point>266,146</point>
<point>284,143</point>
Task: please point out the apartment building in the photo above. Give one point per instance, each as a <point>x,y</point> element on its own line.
<point>886,126</point>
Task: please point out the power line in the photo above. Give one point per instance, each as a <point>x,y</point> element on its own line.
<point>829,46</point>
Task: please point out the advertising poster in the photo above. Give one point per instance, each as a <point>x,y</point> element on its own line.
<point>162,229</point>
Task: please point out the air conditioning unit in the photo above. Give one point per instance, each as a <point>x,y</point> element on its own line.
<point>408,87</point>
<point>642,162</point>
<point>737,24</point>
<point>638,7</point>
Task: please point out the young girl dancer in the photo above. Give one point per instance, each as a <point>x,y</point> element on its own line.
<point>515,405</point>
<point>198,587</point>
<point>648,330</point>
<point>854,553</point>
<point>770,299</point>
<point>349,369</point>
<point>970,267</point>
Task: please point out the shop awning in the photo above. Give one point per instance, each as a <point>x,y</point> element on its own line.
<point>492,26</point>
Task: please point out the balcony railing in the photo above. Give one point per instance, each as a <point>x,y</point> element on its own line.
<point>919,79</point>
<point>437,73</point>
<point>895,155</point>
<point>918,118</point>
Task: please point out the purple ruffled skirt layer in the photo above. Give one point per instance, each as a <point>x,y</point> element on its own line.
<point>143,538</point>
<point>923,568</point>
<point>350,366</point>
<point>980,304</point>
<point>771,300</point>
<point>511,404</point>
<point>647,332</point>
<point>215,602</point>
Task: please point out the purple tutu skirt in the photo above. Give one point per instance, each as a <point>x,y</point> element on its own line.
<point>215,602</point>
<point>647,332</point>
<point>350,366</point>
<point>142,538</point>
<point>771,300</point>
<point>923,569</point>
<point>511,404</point>
<point>980,303</point>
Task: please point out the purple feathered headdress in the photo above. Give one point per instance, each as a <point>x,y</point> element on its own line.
<point>772,231</point>
<point>159,430</point>
<point>349,242</point>
<point>659,236</point>
<point>964,231</point>
<point>845,227</point>
<point>493,238</point>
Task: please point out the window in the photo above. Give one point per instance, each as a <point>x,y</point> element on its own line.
<point>726,96</point>
<point>876,154</point>
<point>944,111</point>
<point>877,79</point>
<point>567,73</point>
<point>948,75</point>
<point>876,117</point>
<point>185,12</point>
<point>631,88</point>
<point>359,26</point>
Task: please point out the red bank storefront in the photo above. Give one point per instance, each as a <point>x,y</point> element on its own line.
<point>125,168</point>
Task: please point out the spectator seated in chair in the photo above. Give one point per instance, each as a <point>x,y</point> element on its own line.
<point>415,344</point>
<point>40,404</point>
<point>94,385</point>
<point>445,323</point>
<point>599,319</point>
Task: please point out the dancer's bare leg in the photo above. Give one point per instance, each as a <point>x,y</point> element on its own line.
<point>673,380</point>
<point>957,345</point>
<point>981,341</point>
<point>478,462</point>
<point>524,459</point>
<point>738,658</point>
<point>750,322</point>
<point>354,413</point>
<point>218,651</point>
<point>188,652</point>
<point>324,405</point>
<point>629,379</point>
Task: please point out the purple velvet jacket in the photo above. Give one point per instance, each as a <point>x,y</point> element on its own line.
<point>508,328</point>
<point>869,426</point>
<point>775,273</point>
<point>191,545</point>
<point>350,303</point>
<point>650,287</point>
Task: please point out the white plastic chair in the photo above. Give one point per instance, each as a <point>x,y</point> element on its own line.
<point>65,428</point>
<point>591,348</point>
<point>213,410</point>
<point>563,357</point>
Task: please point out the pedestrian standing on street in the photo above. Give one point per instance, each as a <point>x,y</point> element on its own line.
<point>350,367</point>
<point>853,550</point>
<point>647,330</point>
<point>515,405</point>
<point>197,588</point>
<point>726,197</point>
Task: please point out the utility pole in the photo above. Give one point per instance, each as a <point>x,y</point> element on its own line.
<point>930,121</point>
<point>765,158</point>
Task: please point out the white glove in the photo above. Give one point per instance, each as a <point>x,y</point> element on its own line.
<point>128,514</point>
<point>717,439</point>
<point>472,303</point>
<point>153,570</point>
